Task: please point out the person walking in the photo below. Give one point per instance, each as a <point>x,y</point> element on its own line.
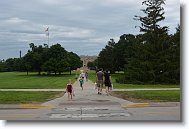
<point>86,76</point>
<point>81,82</point>
<point>99,80</point>
<point>82,75</point>
<point>69,89</point>
<point>107,82</point>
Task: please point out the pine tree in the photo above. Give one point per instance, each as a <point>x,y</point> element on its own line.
<point>154,41</point>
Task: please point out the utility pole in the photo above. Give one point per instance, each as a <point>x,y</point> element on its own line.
<point>47,34</point>
<point>20,54</point>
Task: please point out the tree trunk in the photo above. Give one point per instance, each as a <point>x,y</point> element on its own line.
<point>39,72</point>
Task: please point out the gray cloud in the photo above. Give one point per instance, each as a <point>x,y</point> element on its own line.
<point>81,26</point>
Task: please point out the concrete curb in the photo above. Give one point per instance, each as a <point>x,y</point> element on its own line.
<point>32,90</point>
<point>162,104</point>
<point>25,106</point>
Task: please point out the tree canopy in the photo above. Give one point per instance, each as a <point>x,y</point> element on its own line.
<point>42,58</point>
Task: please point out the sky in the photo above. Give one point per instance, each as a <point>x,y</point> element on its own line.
<point>81,26</point>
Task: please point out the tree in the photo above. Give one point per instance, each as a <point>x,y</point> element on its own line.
<point>74,61</point>
<point>92,65</point>
<point>123,51</point>
<point>105,58</point>
<point>57,59</point>
<point>2,66</point>
<point>154,41</point>
<point>35,58</point>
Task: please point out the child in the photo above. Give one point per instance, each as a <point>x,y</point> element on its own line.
<point>86,76</point>
<point>81,82</point>
<point>69,89</point>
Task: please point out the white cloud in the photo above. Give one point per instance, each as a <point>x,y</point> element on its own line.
<point>15,20</point>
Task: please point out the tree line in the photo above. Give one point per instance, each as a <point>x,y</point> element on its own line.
<point>42,58</point>
<point>150,57</point>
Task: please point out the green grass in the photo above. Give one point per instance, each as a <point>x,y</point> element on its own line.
<point>19,80</point>
<point>27,97</point>
<point>154,96</point>
<point>92,77</point>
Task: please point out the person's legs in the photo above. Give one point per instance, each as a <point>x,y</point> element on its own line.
<point>68,95</point>
<point>107,90</point>
<point>110,88</point>
<point>71,95</point>
<point>98,85</point>
<point>101,86</point>
<point>81,85</point>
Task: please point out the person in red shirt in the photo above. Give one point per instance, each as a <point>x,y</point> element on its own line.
<point>69,90</point>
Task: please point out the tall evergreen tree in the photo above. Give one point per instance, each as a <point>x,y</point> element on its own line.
<point>154,40</point>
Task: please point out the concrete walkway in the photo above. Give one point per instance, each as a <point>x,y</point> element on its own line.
<point>88,105</point>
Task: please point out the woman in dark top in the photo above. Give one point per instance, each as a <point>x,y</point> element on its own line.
<point>107,82</point>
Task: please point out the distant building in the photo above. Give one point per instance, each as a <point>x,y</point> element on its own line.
<point>86,59</point>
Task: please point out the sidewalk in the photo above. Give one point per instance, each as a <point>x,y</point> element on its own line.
<point>88,95</point>
<point>88,105</point>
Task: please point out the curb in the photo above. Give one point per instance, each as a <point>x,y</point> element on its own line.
<point>135,105</point>
<point>35,106</point>
<point>25,106</point>
<point>138,105</point>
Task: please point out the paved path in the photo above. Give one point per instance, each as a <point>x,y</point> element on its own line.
<point>88,105</point>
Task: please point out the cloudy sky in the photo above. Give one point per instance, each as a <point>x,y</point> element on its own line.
<point>81,26</point>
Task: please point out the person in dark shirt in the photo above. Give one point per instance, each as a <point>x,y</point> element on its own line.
<point>107,82</point>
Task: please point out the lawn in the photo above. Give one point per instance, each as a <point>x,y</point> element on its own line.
<point>92,77</point>
<point>27,97</point>
<point>152,96</point>
<point>19,80</point>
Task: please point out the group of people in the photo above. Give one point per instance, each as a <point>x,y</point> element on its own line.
<point>82,76</point>
<point>102,78</point>
<point>69,88</point>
